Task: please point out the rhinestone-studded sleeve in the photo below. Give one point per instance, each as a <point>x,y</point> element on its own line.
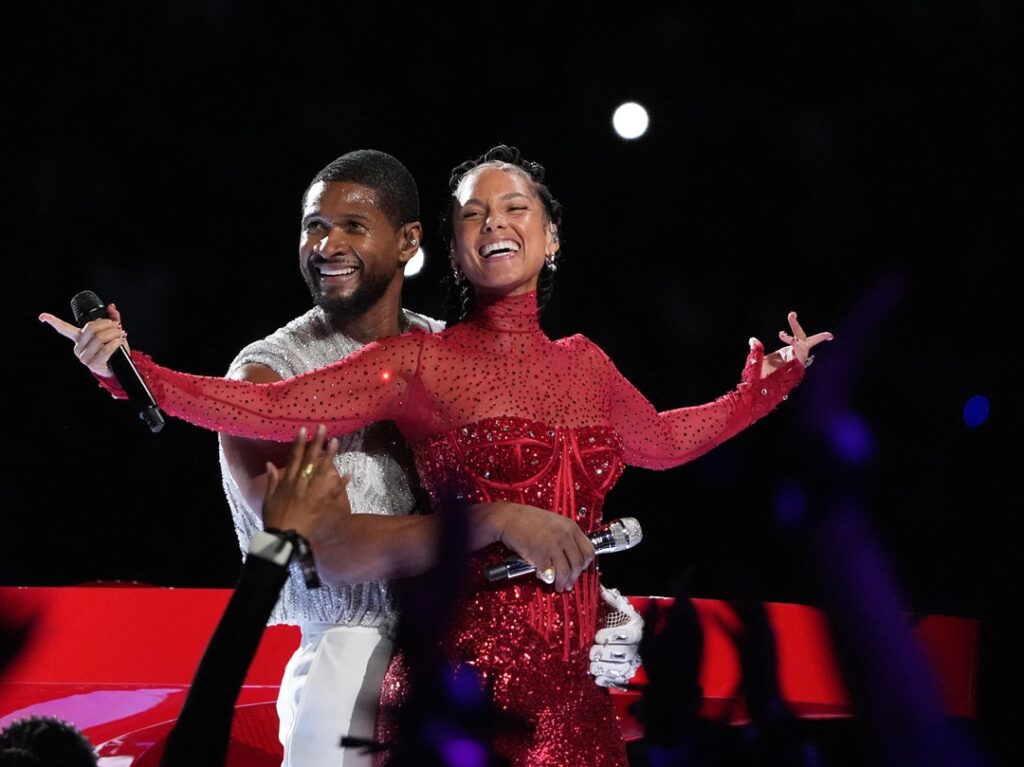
<point>661,440</point>
<point>497,364</point>
<point>371,384</point>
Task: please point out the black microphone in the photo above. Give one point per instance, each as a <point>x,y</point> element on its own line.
<point>617,535</point>
<point>87,306</point>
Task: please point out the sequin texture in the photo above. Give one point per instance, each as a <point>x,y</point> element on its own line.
<point>374,458</point>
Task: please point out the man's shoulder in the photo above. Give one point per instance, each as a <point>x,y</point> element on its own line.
<point>309,341</point>
<point>286,349</point>
<point>422,321</point>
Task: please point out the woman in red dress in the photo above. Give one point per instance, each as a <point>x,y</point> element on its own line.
<point>495,410</point>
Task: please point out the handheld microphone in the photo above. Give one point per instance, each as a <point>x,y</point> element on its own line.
<point>617,535</point>
<point>87,306</point>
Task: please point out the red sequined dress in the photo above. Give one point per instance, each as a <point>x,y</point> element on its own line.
<point>495,410</point>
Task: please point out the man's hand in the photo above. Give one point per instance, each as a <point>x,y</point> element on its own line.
<point>95,343</point>
<point>307,495</point>
<point>614,656</point>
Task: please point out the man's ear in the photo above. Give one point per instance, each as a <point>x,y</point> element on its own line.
<point>412,234</point>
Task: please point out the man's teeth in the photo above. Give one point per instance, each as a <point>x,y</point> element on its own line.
<point>495,248</point>
<point>338,271</point>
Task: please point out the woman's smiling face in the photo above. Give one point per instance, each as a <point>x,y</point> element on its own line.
<point>501,229</point>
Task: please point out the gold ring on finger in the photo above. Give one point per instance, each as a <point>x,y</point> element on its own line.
<point>308,471</point>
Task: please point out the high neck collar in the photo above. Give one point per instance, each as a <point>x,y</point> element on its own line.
<point>507,314</point>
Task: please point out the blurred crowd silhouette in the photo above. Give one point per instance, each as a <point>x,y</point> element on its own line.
<point>44,741</point>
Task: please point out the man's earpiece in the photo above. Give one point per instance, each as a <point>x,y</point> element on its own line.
<point>410,237</point>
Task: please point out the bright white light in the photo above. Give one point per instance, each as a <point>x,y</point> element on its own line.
<point>630,120</point>
<point>415,263</point>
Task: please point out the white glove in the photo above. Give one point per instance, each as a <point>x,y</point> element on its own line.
<point>614,656</point>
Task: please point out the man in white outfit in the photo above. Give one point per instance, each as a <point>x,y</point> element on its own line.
<point>360,228</point>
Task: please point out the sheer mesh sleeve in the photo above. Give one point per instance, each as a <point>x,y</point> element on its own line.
<point>371,384</point>
<point>656,440</point>
<point>499,364</point>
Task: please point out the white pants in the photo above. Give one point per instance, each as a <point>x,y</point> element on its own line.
<point>331,687</point>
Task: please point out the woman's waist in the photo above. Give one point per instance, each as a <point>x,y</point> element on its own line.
<point>527,605</point>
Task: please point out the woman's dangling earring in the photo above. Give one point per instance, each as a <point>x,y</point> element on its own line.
<point>550,260</point>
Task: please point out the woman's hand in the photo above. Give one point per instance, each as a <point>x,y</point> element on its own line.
<point>554,544</point>
<point>799,347</point>
<point>95,343</point>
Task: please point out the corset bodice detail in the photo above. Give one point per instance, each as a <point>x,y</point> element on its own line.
<point>565,470</point>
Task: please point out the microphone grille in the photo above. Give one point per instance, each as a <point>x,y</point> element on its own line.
<point>84,306</point>
<point>631,529</point>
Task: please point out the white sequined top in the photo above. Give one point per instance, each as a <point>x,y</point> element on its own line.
<point>383,478</point>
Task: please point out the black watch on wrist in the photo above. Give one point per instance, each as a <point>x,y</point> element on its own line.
<point>297,547</point>
<point>271,547</point>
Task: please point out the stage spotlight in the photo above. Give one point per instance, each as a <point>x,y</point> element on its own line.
<point>975,411</point>
<point>630,120</point>
<point>415,263</point>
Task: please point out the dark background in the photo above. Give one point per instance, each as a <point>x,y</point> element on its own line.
<point>857,163</point>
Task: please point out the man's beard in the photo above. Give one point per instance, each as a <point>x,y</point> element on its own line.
<point>370,290</point>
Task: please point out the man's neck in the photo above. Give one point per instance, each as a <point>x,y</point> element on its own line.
<point>384,318</point>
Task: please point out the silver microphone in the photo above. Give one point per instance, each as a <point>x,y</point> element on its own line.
<point>617,535</point>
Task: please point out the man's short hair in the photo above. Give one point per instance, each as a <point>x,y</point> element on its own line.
<point>397,195</point>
